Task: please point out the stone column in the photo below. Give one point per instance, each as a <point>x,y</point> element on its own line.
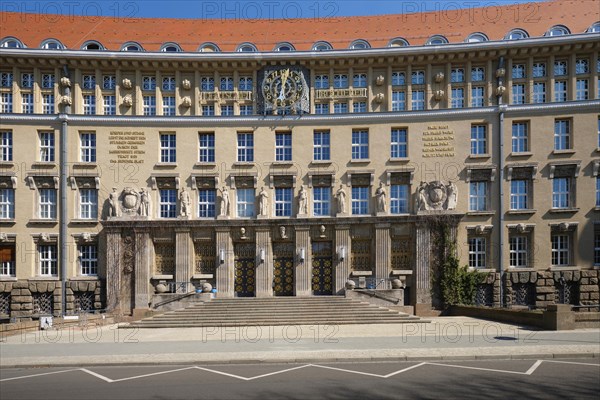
<point>226,269</point>
<point>184,263</point>
<point>303,268</point>
<point>342,270</point>
<point>383,246</point>
<point>422,287</point>
<point>264,269</point>
<point>113,270</point>
<point>142,270</point>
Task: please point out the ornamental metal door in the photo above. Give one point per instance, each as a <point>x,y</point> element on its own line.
<point>283,269</point>
<point>322,268</point>
<point>245,270</point>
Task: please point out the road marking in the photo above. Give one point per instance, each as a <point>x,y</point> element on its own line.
<point>485,369</point>
<point>533,367</point>
<point>572,362</point>
<point>253,377</point>
<point>152,374</point>
<point>104,378</point>
<point>33,376</point>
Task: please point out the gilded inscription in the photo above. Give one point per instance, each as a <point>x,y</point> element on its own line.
<point>127,147</point>
<point>438,141</point>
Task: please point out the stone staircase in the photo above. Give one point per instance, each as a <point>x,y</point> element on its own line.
<point>277,311</point>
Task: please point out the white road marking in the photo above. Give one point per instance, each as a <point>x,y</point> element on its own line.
<point>33,376</point>
<point>533,367</point>
<point>152,374</point>
<point>484,369</point>
<point>571,362</point>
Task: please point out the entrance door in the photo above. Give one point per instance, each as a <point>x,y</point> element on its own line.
<point>283,269</point>
<point>245,270</point>
<point>322,268</point>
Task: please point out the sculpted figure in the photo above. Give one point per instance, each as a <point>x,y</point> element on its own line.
<point>113,200</point>
<point>144,203</point>
<point>263,202</point>
<point>184,203</point>
<point>224,211</point>
<point>381,198</point>
<point>341,200</point>
<point>303,201</point>
<point>452,196</point>
<point>422,197</point>
<point>282,232</point>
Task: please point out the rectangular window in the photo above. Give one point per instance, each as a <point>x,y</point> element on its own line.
<point>47,146</point>
<point>283,147</point>
<point>88,259</point>
<point>457,75</point>
<point>360,145</point>
<point>27,81</point>
<point>322,82</point>
<point>560,91</point>
<point>340,81</point>
<point>560,249</point>
<point>478,196</point>
<point>321,146</point>
<point>88,203</point>
<point>245,203</point>
<point>7,203</point>
<point>340,108</point>
<point>89,82</point>
<point>539,92</point>
<point>168,83</point>
<point>399,197</point>
<point>47,203</point>
<point>560,68</point>
<point>518,93</point>
<point>206,203</point>
<point>110,105</point>
<point>322,108</point>
<point>168,146</point>
<point>581,89</point>
<point>359,107</point>
<point>109,82</point>
<point>519,71</point>
<point>561,193</point>
<point>418,78</point>
<point>582,66</point>
<point>283,202</point>
<point>360,200</point>
<point>457,98</point>
<point>518,194</point>
<point>478,140</point>
<point>477,252</point>
<point>399,143</point>
<point>148,83</point>
<point>359,80</point>
<point>245,147</point>
<point>562,134</point>
<point>246,110</point>
<point>8,260</point>
<point>398,101</point>
<point>207,148</point>
<point>398,78</point>
<point>596,248</point>
<point>208,110</point>
<point>245,83</point>
<point>478,74</point>
<point>168,105</point>
<point>6,100</point>
<point>418,100</point>
<point>6,146</point>
<point>27,103</point>
<point>207,84</point>
<point>226,110</point>
<point>48,254</point>
<point>518,251</point>
<point>48,81</point>
<point>477,96</point>
<point>226,84</point>
<point>88,147</point>
<point>520,139</point>
<point>168,203</point>
<point>321,201</point>
<point>539,70</point>
<point>149,105</point>
<point>89,104</point>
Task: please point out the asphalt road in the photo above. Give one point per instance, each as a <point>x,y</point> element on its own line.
<point>531,379</point>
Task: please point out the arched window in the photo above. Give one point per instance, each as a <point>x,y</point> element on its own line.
<point>131,46</point>
<point>284,46</point>
<point>51,44</point>
<point>594,28</point>
<point>516,34</point>
<point>558,30</point>
<point>247,47</point>
<point>436,40</point>
<point>360,44</point>
<point>170,48</point>
<point>208,48</point>
<point>398,42</point>
<point>322,46</point>
<point>92,45</point>
<point>476,38</point>
<point>12,42</point>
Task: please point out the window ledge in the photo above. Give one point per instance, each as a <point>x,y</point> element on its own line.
<point>85,278</point>
<point>479,156</point>
<point>517,212</point>
<point>42,164</point>
<point>484,270</point>
<point>205,165</point>
<point>8,278</point>
<point>477,213</point>
<point>521,269</point>
<point>521,154</point>
<point>361,161</point>
<point>202,276</point>
<point>321,162</point>
<point>564,268</point>
<point>7,164</point>
<point>399,160</point>
<point>7,221</point>
<point>597,208</point>
<point>563,210</point>
<point>81,221</point>
<point>282,163</point>
<point>45,278</point>
<point>402,272</point>
<point>563,152</point>
<point>82,165</point>
<point>165,165</point>
<point>161,277</point>
<point>39,221</point>
<point>243,164</point>
<point>362,273</point>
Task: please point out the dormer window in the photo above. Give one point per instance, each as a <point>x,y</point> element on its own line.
<point>52,44</point>
<point>516,34</point>
<point>398,42</point>
<point>92,45</point>
<point>595,28</point>
<point>247,47</point>
<point>208,48</point>
<point>476,38</point>
<point>284,47</point>
<point>360,45</point>
<point>131,46</point>
<point>322,46</point>
<point>12,43</point>
<point>558,30</point>
<point>437,40</point>
<point>170,48</point>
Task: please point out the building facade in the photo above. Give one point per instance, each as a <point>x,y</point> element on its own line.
<point>288,169</point>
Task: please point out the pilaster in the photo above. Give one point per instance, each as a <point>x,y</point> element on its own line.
<point>422,292</point>
<point>382,253</point>
<point>142,270</point>
<point>113,270</point>
<point>303,267</point>
<point>342,270</point>
<point>264,266</point>
<point>183,257</point>
<point>225,267</point>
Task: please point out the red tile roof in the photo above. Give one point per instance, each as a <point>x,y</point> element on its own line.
<point>416,28</point>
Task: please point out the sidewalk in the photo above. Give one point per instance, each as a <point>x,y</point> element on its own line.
<point>445,338</point>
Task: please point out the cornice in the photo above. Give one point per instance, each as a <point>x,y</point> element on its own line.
<point>567,106</point>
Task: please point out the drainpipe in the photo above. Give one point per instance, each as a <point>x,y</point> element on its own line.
<point>62,189</point>
<point>501,110</point>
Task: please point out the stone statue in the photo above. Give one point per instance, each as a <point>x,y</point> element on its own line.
<point>452,196</point>
<point>243,233</point>
<point>436,196</point>
<point>184,203</point>
<point>381,198</point>
<point>113,200</point>
<point>224,211</point>
<point>144,203</point>
<point>341,200</point>
<point>282,232</point>
<point>303,201</point>
<point>263,202</point>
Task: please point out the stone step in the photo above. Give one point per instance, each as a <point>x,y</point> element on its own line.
<point>269,323</point>
<point>288,317</point>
